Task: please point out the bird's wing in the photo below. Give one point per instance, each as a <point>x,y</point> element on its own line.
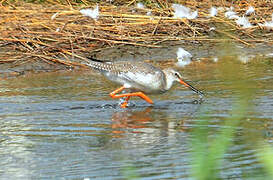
<point>123,67</point>
<point>138,72</point>
<point>141,74</point>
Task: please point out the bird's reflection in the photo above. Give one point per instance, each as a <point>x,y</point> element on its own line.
<point>139,121</point>
<point>131,119</point>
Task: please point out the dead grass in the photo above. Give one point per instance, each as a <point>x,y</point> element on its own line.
<point>28,31</point>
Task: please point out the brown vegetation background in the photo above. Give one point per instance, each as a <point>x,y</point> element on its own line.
<point>57,34</point>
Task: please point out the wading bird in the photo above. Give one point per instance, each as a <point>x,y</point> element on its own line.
<point>138,78</point>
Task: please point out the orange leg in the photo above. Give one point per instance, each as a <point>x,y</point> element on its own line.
<point>128,95</point>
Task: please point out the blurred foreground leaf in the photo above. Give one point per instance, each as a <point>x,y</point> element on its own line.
<point>208,154</point>
<point>265,155</point>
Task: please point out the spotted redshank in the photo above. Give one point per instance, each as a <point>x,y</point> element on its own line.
<point>138,78</point>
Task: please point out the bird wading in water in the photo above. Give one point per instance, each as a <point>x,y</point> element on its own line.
<point>138,78</point>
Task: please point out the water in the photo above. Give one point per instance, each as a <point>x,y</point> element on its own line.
<point>63,125</point>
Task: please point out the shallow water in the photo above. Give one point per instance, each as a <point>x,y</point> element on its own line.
<point>64,124</point>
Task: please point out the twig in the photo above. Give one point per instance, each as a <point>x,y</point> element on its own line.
<point>234,37</point>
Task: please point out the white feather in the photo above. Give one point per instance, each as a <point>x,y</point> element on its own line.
<point>183,12</point>
<point>93,13</point>
<point>231,15</point>
<point>54,16</point>
<point>250,10</point>
<point>140,5</point>
<point>183,54</point>
<point>193,15</point>
<point>213,12</point>
<point>243,21</point>
<point>183,57</point>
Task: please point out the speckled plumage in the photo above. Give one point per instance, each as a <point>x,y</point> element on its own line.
<point>135,75</point>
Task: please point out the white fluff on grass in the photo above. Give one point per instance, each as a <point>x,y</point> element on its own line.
<point>250,10</point>
<point>231,15</point>
<point>54,16</point>
<point>183,57</point>
<point>140,5</point>
<point>183,12</point>
<point>149,13</point>
<point>213,12</point>
<point>243,21</point>
<point>93,13</point>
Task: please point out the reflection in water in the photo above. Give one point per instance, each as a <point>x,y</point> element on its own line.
<point>137,120</point>
<point>130,119</point>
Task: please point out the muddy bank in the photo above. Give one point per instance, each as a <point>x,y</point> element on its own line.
<point>166,53</point>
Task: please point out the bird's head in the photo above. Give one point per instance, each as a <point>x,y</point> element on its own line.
<point>172,75</point>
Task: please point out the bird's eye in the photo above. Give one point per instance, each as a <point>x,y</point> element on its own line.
<point>176,74</point>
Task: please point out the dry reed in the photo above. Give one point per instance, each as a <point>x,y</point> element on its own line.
<point>59,34</point>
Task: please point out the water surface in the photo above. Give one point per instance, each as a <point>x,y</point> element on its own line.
<point>64,124</point>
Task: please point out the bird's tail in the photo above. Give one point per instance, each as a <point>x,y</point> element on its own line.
<point>99,64</point>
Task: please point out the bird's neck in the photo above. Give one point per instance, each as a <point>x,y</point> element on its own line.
<point>169,81</point>
<point>169,84</point>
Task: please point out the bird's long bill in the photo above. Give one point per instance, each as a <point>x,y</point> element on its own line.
<point>191,87</point>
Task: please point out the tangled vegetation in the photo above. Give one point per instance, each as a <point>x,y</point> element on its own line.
<point>55,32</point>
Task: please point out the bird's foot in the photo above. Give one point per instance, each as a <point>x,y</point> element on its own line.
<point>123,102</point>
